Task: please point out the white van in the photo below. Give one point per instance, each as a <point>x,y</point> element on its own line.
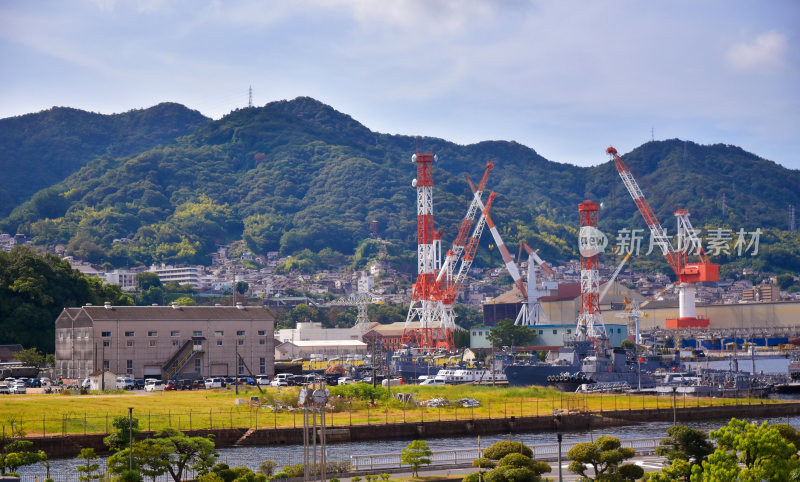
<point>124,383</point>
<point>152,385</point>
<point>215,382</point>
<point>433,381</point>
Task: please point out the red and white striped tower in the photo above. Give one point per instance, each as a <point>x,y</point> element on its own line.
<point>591,243</point>
<point>426,303</point>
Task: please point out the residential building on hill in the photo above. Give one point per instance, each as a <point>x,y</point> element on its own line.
<point>165,341</point>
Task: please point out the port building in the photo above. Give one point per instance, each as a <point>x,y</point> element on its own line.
<point>165,341</point>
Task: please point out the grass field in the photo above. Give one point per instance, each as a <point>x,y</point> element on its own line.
<point>56,414</point>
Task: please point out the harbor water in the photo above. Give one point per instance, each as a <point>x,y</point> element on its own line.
<point>283,455</point>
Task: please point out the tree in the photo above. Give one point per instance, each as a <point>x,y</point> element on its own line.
<point>746,451</point>
<point>31,357</point>
<point>604,455</point>
<point>627,344</point>
<point>506,333</point>
<point>183,451</point>
<point>118,440</point>
<point>90,466</point>
<point>17,453</point>
<point>684,443</point>
<point>784,281</point>
<point>185,301</point>
<point>509,462</point>
<point>146,280</point>
<point>415,455</point>
<point>242,287</point>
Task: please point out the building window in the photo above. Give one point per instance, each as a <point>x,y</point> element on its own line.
<point>240,333</point>
<point>262,341</point>
<point>197,333</point>
<point>569,331</point>
<point>197,365</point>
<point>555,332</point>
<point>129,367</point>
<point>129,343</point>
<point>619,330</point>
<point>541,332</point>
<point>106,364</point>
<point>262,365</point>
<point>106,343</point>
<point>219,342</point>
<point>175,343</point>
<point>241,366</point>
<point>60,335</point>
<point>153,342</point>
<point>241,342</point>
<point>474,333</point>
<point>130,333</point>
<point>152,333</point>
<point>106,334</point>
<point>219,333</point>
<point>262,332</point>
<point>174,333</point>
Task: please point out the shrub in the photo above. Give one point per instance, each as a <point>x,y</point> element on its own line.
<point>129,476</point>
<point>384,476</point>
<point>500,449</point>
<point>371,477</point>
<point>333,479</point>
<point>473,477</point>
<point>267,467</point>
<point>281,475</point>
<point>515,460</point>
<point>484,463</point>
<point>355,479</point>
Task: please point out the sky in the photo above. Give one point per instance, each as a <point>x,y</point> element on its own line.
<point>566,78</point>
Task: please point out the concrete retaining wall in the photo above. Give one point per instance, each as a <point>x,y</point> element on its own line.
<point>69,446</point>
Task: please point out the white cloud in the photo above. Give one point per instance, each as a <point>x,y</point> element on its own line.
<point>764,52</point>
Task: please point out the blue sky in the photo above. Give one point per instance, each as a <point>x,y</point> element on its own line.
<point>566,78</point>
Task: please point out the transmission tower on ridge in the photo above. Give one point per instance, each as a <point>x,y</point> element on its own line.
<point>250,97</point>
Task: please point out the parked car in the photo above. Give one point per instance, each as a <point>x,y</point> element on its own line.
<point>433,381</point>
<point>4,390</point>
<point>18,387</point>
<point>124,383</point>
<point>345,381</point>
<point>246,381</point>
<point>171,385</point>
<point>281,380</point>
<point>151,385</point>
<point>34,383</point>
<point>264,380</point>
<point>228,381</point>
<point>199,383</point>
<point>215,382</point>
<point>138,384</point>
<point>185,384</point>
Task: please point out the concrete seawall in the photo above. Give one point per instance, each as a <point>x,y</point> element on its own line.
<point>69,446</point>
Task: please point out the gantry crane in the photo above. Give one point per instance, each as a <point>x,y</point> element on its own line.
<point>360,300</point>
<point>688,273</point>
<point>633,311</point>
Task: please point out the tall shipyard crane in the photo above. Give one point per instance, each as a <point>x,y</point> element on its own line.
<point>688,273</point>
<point>531,310</point>
<point>438,283</point>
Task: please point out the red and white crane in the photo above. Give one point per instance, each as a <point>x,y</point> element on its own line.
<point>688,273</point>
<point>438,283</point>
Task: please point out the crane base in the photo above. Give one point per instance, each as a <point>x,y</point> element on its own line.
<point>677,323</point>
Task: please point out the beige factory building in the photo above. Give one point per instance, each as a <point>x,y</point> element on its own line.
<point>739,315</point>
<point>165,341</point>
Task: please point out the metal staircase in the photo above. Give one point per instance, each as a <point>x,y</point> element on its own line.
<point>182,356</point>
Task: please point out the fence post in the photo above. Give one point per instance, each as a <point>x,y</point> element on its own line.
<point>367,414</point>
<point>210,419</point>
<point>350,411</point>
<point>106,422</point>
<point>148,421</point>
<point>230,419</point>
<point>404,414</point>
<point>386,419</point>
<point>44,430</point>
<point>505,409</point>
<point>490,410</point>
<point>84,423</point>
<point>169,417</point>
<point>275,417</point>
<point>190,419</point>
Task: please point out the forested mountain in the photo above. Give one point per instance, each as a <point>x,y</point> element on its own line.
<point>296,175</point>
<point>41,149</point>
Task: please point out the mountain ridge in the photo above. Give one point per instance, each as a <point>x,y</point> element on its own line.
<point>298,174</point>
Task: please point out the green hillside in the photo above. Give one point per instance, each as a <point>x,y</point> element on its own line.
<point>296,175</point>
<point>41,149</point>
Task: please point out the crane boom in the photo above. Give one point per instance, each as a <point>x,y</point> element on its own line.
<point>656,230</point>
<point>614,276</point>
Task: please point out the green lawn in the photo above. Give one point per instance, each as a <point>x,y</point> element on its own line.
<point>201,409</point>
